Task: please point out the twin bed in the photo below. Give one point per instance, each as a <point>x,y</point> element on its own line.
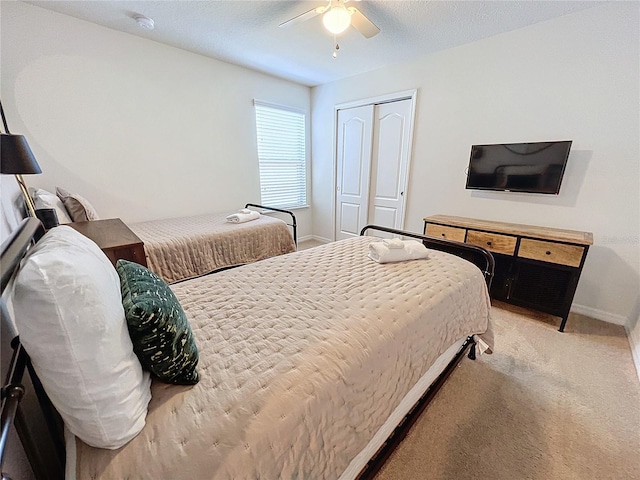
<point>187,247</point>
<point>310,362</point>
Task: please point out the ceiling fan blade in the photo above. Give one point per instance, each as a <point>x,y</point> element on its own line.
<point>361,23</point>
<point>303,16</point>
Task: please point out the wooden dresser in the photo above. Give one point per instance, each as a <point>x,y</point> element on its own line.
<point>536,267</point>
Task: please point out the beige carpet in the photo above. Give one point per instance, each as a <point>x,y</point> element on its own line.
<point>546,405</point>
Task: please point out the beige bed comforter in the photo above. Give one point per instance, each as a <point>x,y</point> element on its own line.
<point>302,358</point>
<point>187,247</point>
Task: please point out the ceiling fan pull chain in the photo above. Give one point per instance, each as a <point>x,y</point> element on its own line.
<point>336,48</point>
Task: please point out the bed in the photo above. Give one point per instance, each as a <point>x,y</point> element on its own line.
<point>187,247</point>
<point>312,364</point>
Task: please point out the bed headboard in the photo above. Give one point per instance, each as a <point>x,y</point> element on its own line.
<point>40,430</point>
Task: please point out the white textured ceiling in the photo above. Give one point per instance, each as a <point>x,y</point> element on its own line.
<point>247,32</point>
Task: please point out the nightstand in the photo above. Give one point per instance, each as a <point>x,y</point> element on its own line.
<point>114,238</point>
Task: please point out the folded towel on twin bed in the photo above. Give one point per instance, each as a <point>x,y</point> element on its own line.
<point>242,217</point>
<point>411,250</point>
<point>393,243</point>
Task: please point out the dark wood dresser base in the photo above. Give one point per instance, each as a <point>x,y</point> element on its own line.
<point>536,267</point>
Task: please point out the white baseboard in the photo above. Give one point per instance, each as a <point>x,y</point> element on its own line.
<point>634,338</point>
<point>322,239</point>
<point>599,314</point>
<point>634,342</point>
<point>314,237</point>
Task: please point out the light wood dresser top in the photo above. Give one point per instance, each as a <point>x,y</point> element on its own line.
<point>546,233</point>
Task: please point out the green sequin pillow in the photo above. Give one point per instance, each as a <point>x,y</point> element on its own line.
<point>159,329</point>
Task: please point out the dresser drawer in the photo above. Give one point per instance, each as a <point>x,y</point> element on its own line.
<point>560,253</point>
<point>441,231</point>
<point>494,242</point>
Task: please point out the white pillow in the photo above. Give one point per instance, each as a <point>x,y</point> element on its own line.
<point>68,311</point>
<point>43,199</point>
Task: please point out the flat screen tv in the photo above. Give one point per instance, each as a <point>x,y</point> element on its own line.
<point>518,167</point>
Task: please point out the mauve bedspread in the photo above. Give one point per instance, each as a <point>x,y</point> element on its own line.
<point>187,247</point>
<point>302,358</point>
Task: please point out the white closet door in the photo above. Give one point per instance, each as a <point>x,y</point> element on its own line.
<point>353,152</point>
<point>389,163</point>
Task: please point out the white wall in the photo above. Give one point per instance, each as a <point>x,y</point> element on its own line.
<point>633,332</point>
<point>575,77</point>
<point>12,204</point>
<point>140,129</point>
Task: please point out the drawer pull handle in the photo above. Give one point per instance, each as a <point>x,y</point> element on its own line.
<point>489,243</point>
<point>443,234</point>
<point>548,252</point>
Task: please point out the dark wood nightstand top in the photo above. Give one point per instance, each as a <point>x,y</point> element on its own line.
<point>109,233</point>
<point>114,238</point>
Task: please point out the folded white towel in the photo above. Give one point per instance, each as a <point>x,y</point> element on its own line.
<point>242,217</point>
<point>412,250</point>
<point>393,243</point>
<point>244,210</point>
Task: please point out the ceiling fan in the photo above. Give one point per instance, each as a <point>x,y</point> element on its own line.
<point>337,17</point>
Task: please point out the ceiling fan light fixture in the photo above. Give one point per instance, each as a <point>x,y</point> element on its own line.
<point>337,19</point>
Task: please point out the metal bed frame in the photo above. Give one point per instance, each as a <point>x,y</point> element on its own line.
<point>293,223</point>
<point>45,450</point>
<point>476,255</point>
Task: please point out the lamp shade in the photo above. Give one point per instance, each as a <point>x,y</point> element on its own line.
<point>17,157</point>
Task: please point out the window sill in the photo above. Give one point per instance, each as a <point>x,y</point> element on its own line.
<point>301,207</point>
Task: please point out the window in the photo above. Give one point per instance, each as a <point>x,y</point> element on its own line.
<point>281,155</point>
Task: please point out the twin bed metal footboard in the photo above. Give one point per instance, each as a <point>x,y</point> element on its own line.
<point>476,255</point>
<point>293,223</point>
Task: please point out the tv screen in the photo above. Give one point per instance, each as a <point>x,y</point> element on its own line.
<point>518,167</point>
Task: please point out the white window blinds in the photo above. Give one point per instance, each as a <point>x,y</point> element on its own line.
<point>281,155</point>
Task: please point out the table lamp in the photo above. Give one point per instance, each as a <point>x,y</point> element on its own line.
<point>17,159</point>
